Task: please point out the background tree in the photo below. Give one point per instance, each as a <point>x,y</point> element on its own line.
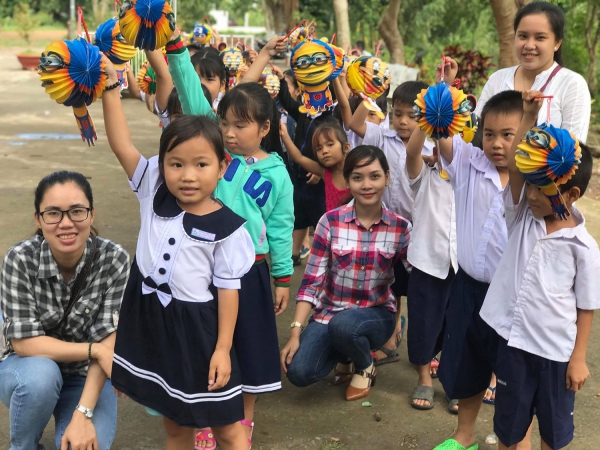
<point>592,35</point>
<point>388,29</point>
<point>342,22</point>
<point>504,14</point>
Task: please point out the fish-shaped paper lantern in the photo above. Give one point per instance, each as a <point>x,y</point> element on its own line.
<point>146,24</point>
<point>548,157</point>
<point>73,74</point>
<point>441,110</point>
<point>369,77</point>
<point>110,41</point>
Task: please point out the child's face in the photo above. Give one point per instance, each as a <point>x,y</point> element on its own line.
<point>213,84</point>
<point>294,91</point>
<point>329,150</point>
<point>192,171</point>
<point>367,184</point>
<point>403,120</point>
<point>372,117</point>
<point>538,202</point>
<point>242,138</point>
<point>535,42</point>
<point>498,134</point>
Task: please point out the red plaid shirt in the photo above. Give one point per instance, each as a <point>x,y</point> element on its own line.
<point>350,266</point>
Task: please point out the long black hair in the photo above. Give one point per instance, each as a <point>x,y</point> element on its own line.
<point>251,102</point>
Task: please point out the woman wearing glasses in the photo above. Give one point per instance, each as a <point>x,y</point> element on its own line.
<point>60,292</point>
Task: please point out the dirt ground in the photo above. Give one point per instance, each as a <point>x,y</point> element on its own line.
<point>312,418</point>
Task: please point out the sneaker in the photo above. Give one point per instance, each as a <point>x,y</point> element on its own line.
<point>304,252</point>
<point>296,260</point>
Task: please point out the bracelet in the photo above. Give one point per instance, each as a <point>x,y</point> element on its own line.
<point>113,86</point>
<point>90,351</point>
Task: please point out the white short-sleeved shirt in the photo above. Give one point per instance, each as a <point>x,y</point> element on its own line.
<point>184,251</point>
<point>541,281</point>
<point>355,140</point>
<point>432,246</point>
<point>480,227</point>
<point>570,108</point>
<point>398,196</point>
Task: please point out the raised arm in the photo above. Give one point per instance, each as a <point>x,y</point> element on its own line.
<point>414,160</point>
<point>132,86</point>
<point>116,126</point>
<point>306,163</point>
<point>531,109</point>
<point>164,82</point>
<point>274,46</point>
<point>343,103</point>
<point>357,123</point>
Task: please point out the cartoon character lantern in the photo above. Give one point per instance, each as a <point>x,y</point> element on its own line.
<point>270,81</point>
<point>548,157</point>
<point>297,35</point>
<point>73,73</point>
<point>369,77</point>
<point>201,34</point>
<point>234,61</point>
<point>110,41</point>
<point>315,64</point>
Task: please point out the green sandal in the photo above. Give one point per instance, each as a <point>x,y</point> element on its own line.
<point>451,444</point>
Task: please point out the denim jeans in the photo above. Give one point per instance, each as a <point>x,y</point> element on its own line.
<point>33,389</point>
<point>350,334</point>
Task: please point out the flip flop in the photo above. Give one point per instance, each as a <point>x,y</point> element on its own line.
<point>391,357</point>
<point>205,435</point>
<point>451,444</point>
<point>422,393</point>
<point>451,404</point>
<point>490,401</point>
<point>250,424</point>
<point>435,364</point>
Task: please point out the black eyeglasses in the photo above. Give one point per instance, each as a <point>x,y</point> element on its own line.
<point>54,216</point>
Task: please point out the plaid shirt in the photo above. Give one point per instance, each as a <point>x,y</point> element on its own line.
<point>350,266</point>
<point>33,296</point>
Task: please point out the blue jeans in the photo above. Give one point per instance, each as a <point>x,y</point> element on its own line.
<point>33,389</point>
<point>350,334</point>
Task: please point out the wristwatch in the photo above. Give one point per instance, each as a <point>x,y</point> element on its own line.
<point>86,411</point>
<point>297,325</point>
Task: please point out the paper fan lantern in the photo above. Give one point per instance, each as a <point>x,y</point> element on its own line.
<point>548,157</point>
<point>201,34</point>
<point>297,36</point>
<point>470,128</point>
<point>146,24</point>
<point>73,73</point>
<point>233,60</point>
<point>441,110</point>
<point>110,41</point>
<point>146,79</point>
<point>369,77</point>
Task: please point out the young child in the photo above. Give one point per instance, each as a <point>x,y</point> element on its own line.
<point>347,283</point>
<point>478,178</point>
<point>398,198</point>
<point>330,147</point>
<point>541,303</point>
<point>432,253</point>
<point>173,351</point>
<point>256,186</point>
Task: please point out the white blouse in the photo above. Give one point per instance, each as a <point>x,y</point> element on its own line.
<point>180,254</point>
<point>569,109</point>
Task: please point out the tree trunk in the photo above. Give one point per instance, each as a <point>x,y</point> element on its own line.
<point>592,36</point>
<point>292,9</point>
<point>520,3</point>
<point>504,14</point>
<point>388,29</point>
<point>275,18</point>
<point>342,23</point>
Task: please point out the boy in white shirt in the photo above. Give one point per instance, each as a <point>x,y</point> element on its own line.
<point>432,253</point>
<point>478,178</point>
<point>398,196</point>
<point>541,303</point>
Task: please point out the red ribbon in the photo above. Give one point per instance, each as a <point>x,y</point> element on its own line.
<point>81,21</point>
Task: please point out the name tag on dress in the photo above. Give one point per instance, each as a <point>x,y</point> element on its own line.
<point>203,234</point>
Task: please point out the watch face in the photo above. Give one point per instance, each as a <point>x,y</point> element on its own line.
<point>89,414</point>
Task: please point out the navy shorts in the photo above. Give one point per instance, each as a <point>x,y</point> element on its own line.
<point>529,384</point>
<point>427,302</point>
<point>309,205</point>
<point>400,285</point>
<point>470,345</point>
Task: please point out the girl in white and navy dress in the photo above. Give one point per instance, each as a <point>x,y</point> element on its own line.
<point>174,343</point>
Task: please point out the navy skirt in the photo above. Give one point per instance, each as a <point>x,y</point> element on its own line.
<point>162,359</point>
